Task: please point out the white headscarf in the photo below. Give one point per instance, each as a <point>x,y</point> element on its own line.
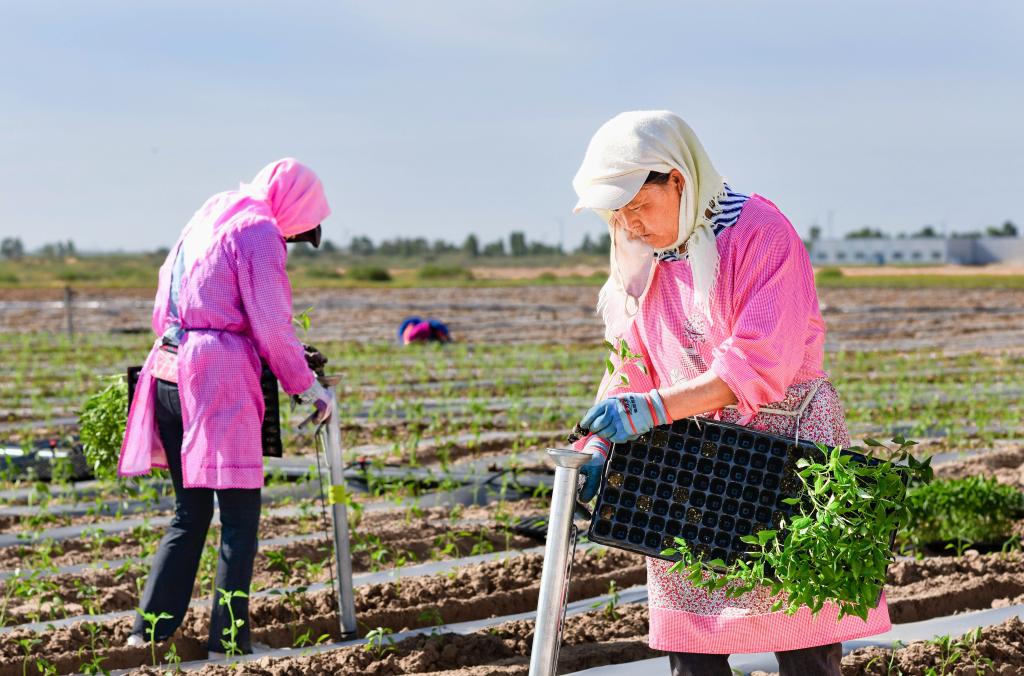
<point>619,157</point>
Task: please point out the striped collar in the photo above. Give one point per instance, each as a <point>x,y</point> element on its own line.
<point>730,206</point>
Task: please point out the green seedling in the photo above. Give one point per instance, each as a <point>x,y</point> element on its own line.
<point>610,607</point>
<point>306,639</point>
<point>95,664</point>
<point>615,375</point>
<point>230,644</point>
<point>172,658</point>
<point>277,560</point>
<point>379,642</point>
<point>431,617</point>
<point>26,646</point>
<point>151,620</point>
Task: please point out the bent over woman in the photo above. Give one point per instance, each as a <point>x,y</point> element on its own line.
<point>715,290</point>
<point>223,303</point>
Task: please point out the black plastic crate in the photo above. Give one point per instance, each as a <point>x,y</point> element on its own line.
<point>707,482</point>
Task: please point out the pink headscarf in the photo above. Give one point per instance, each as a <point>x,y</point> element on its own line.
<point>286,193</point>
<point>294,193</point>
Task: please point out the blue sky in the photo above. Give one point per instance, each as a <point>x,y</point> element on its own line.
<point>117,119</point>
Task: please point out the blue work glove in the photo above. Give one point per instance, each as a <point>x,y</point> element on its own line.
<point>626,416</point>
<point>590,474</point>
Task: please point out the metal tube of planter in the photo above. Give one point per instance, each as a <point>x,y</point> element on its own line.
<point>343,557</point>
<point>547,633</point>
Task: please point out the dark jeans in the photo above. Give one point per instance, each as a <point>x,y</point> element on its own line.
<point>170,582</point>
<point>822,660</point>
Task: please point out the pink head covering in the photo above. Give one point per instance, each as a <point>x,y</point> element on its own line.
<point>286,193</point>
<point>294,194</point>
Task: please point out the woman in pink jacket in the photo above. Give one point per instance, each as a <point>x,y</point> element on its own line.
<point>714,289</point>
<point>223,303</point>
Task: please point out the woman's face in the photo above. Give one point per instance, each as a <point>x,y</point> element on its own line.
<point>653,215</point>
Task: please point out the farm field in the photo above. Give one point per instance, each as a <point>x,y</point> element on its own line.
<point>446,454</point>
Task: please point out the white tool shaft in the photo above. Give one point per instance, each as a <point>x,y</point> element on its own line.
<point>343,557</point>
<point>547,634</point>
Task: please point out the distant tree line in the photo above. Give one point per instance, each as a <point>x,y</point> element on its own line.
<point>517,245</point>
<point>1008,229</point>
<point>12,249</point>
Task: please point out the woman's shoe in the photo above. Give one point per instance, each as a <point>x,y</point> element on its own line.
<point>135,641</point>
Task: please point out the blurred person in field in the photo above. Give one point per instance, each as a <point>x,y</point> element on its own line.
<point>714,290</point>
<point>223,303</point>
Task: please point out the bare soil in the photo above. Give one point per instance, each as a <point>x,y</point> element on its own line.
<point>392,526</point>
<point>438,533</point>
<point>997,650</point>
<point>1005,464</point>
<point>856,318</point>
<point>474,592</point>
<point>591,639</point>
<point>938,586</point>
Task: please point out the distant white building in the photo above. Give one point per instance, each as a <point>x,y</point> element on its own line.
<point>917,250</point>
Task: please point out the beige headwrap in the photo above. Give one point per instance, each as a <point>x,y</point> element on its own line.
<point>620,155</point>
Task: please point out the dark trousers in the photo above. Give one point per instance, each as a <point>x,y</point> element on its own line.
<point>170,582</point>
<point>822,660</point>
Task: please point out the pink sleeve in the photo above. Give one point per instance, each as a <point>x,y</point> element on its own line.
<point>773,299</point>
<point>266,292</point>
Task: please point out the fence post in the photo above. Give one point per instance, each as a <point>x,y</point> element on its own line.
<point>68,310</point>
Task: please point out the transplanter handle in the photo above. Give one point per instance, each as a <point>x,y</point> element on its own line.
<point>330,435</point>
<point>554,579</point>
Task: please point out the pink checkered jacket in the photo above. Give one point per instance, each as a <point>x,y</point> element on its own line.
<point>235,305</point>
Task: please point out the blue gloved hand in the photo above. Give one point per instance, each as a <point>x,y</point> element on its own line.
<point>626,416</point>
<point>590,474</point>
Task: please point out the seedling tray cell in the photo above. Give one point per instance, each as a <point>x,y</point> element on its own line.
<point>708,482</point>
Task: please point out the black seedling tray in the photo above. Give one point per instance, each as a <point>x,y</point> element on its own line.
<point>709,483</point>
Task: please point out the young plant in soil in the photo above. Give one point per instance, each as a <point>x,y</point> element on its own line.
<point>379,641</point>
<point>609,607</point>
<point>431,618</point>
<point>306,640</point>
<point>836,548</point>
<point>230,644</point>
<point>94,665</point>
<point>172,658</point>
<point>26,646</point>
<point>151,620</point>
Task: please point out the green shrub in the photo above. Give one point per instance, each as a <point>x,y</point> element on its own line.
<point>79,275</point>
<point>962,512</point>
<point>101,427</point>
<point>8,277</point>
<point>324,273</point>
<point>547,276</point>
<point>829,273</point>
<point>433,271</point>
<point>369,273</point>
